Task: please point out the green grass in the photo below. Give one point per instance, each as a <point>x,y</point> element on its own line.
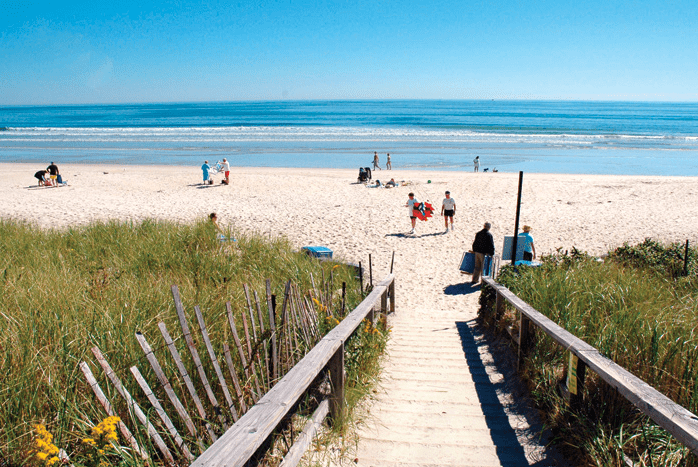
<point>64,291</point>
<point>638,310</point>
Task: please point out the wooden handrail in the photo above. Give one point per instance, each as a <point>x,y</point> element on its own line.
<point>245,437</point>
<point>675,419</point>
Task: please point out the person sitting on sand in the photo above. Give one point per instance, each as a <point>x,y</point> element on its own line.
<point>213,217</point>
<point>392,183</point>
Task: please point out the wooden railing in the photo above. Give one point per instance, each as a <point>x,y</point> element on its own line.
<point>252,430</point>
<point>678,421</point>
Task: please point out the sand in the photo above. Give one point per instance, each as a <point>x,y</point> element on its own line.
<point>327,207</point>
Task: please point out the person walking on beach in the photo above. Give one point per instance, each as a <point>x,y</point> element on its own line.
<point>226,169</point>
<point>205,168</point>
<point>529,249</point>
<point>412,205</point>
<point>448,209</point>
<point>53,173</point>
<point>483,245</point>
<point>388,164</point>
<point>476,163</point>
<point>375,161</point>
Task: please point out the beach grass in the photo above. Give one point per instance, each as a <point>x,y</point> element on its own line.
<point>637,308</point>
<point>65,291</point>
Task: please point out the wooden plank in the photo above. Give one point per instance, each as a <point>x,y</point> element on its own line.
<point>675,419</point>
<point>234,376</point>
<point>161,413</point>
<point>243,439</point>
<point>216,366</point>
<point>253,369</point>
<point>102,398</point>
<point>305,438</point>
<point>165,382</point>
<point>241,352</point>
<point>272,326</point>
<point>195,356</point>
<point>266,349</point>
<point>187,379</point>
<point>121,389</point>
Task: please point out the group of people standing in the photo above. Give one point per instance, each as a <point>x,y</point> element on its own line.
<point>484,246</point>
<point>376,162</point>
<point>224,167</point>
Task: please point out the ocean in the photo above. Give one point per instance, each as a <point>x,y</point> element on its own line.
<point>633,138</point>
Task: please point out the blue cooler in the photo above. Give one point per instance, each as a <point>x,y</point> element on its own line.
<point>467,264</point>
<point>318,251</point>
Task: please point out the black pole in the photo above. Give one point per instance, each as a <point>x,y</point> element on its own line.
<point>392,261</point>
<point>685,260</point>
<point>361,277</point>
<point>370,271</point>
<point>516,225</point>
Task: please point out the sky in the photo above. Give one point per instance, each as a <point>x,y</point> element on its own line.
<point>126,51</point>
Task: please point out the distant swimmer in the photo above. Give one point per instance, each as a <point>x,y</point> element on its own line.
<point>388,164</point>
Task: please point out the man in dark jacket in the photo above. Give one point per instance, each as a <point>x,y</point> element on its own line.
<point>483,245</point>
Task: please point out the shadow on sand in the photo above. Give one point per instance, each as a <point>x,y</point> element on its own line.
<point>465,288</point>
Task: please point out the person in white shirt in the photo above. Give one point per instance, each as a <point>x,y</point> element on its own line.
<point>411,205</point>
<point>448,209</point>
<point>226,169</point>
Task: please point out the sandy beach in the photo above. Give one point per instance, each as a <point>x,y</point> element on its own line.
<point>328,208</point>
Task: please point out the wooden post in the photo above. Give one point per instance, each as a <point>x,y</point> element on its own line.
<point>344,297</point>
<point>500,307</point>
<point>361,277</point>
<point>384,302</point>
<point>524,333</point>
<point>576,373</point>
<point>272,328</point>
<point>336,370</point>
<point>516,224</point>
<point>391,288</point>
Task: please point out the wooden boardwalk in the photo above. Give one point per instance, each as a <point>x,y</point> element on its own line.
<point>442,400</point>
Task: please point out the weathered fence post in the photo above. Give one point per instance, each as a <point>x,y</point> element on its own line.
<point>336,370</point>
<point>391,291</point>
<point>524,336</point>
<point>500,307</point>
<point>576,372</point>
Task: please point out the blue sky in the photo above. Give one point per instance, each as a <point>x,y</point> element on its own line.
<point>140,51</point>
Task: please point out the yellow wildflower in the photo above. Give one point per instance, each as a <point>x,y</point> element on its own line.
<point>46,451</point>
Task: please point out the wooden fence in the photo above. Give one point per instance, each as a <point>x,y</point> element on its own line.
<point>675,419</point>
<point>253,429</point>
<point>264,356</point>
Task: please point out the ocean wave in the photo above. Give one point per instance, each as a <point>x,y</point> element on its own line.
<point>234,134</point>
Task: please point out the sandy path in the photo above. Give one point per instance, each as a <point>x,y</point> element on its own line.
<point>435,362</point>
